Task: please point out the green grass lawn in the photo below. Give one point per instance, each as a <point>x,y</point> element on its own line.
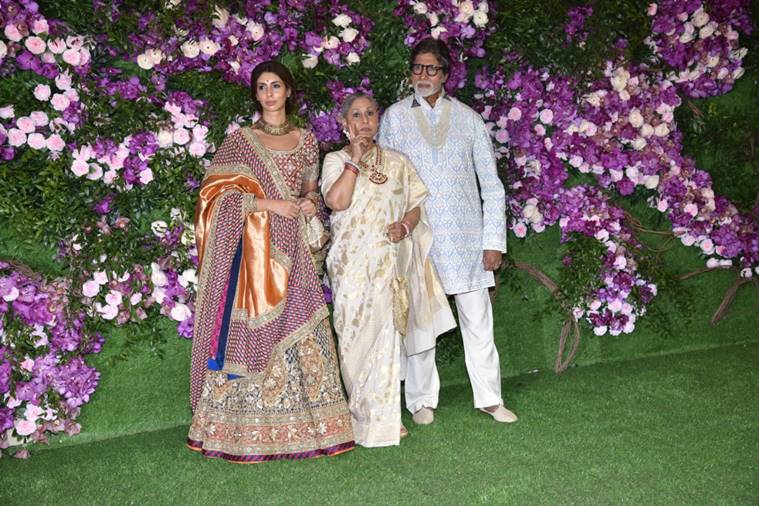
<point>677,429</point>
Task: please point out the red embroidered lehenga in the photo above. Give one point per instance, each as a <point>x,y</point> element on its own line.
<point>264,379</point>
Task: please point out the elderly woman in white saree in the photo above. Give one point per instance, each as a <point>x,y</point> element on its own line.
<point>386,291</point>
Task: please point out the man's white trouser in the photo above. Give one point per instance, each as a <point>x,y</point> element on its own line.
<point>480,354</point>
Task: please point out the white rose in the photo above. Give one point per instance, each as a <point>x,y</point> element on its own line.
<point>180,312</point>
<point>220,17</point>
<point>646,130</point>
<point>739,54</point>
<point>651,182</point>
<point>159,227</point>
<point>466,8</point>
<point>310,61</point>
<point>209,47</point>
<point>639,143</point>
<point>342,20</point>
<point>480,19</point>
<point>349,35</point>
<point>636,118</point>
<point>707,31</point>
<point>352,58</point>
<point>433,18</point>
<point>331,42</point>
<point>699,18</point>
<point>165,138</point>
<point>155,55</point>
<point>661,130</point>
<point>593,99</point>
<point>144,61</point>
<point>420,8</point>
<point>157,276</point>
<point>686,37</point>
<point>484,6</point>
<point>529,211</point>
<point>738,73</point>
<point>190,276</point>
<point>256,30</point>
<point>435,32</point>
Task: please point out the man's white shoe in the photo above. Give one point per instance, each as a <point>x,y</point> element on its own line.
<point>424,416</point>
<point>500,414</point>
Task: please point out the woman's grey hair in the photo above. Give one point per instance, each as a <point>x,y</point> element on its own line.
<point>348,102</point>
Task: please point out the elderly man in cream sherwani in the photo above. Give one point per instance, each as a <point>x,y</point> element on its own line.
<point>451,149</point>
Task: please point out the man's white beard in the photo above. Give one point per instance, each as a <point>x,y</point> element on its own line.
<point>426,89</point>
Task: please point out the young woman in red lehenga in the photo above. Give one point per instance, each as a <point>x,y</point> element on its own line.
<point>264,379</point>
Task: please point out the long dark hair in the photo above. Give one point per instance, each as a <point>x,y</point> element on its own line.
<point>283,73</point>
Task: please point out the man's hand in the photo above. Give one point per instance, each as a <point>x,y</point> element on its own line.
<point>491,259</point>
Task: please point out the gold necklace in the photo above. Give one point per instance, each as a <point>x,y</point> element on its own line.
<point>373,166</point>
<point>438,134</point>
<point>275,130</point>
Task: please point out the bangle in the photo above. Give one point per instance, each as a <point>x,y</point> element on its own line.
<point>349,165</point>
<point>405,227</point>
<point>313,197</point>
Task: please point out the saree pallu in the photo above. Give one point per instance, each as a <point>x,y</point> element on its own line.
<point>264,374</point>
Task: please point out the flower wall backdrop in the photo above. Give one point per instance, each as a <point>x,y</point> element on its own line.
<point>109,115</point>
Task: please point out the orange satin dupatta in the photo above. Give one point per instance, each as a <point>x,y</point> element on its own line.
<point>262,282</point>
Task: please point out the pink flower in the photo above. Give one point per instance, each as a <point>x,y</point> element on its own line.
<point>16,137</point>
<point>90,288</point>
<point>80,167</point>
<point>56,46</point>
<point>100,277</point>
<point>35,45</point>
<point>114,298</point>
<point>180,312</point>
<point>12,33</point>
<point>181,136</point>
<point>32,411</point>
<point>7,112</point>
<point>36,141</point>
<point>520,230</point>
<point>197,149</point>
<point>146,176</point>
<point>25,124</point>
<point>74,42</point>
<point>27,364</point>
<point>63,81</point>
<point>72,57</point>
<point>502,136</point>
<point>95,173</point>
<point>25,427</point>
<point>40,26</point>
<point>546,116</point>
<point>515,114</point>
<point>108,312</point>
<point>60,102</point>
<point>55,143</point>
<point>39,118</point>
